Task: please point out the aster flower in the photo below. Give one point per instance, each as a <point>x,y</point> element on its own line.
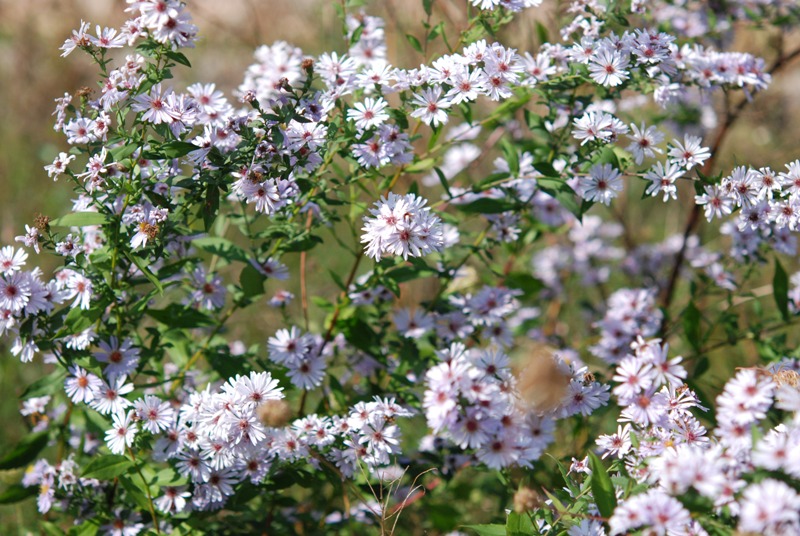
<point>308,372</point>
<point>593,126</point>
<point>413,325</point>
<point>210,293</point>
<point>81,386</point>
<point>603,184</point>
<point>662,180</point>
<point>255,389</point>
<point>770,507</point>
<point>109,398</point>
<point>154,413</point>
<point>607,67</point>
<point>644,141</point>
<point>690,153</point>
<point>122,434</point>
<point>173,500</point>
<point>368,114</point>
<point>289,346</point>
<point>154,105</point>
<point>122,359</point>
<point>716,200</point>
<point>15,291</point>
<point>30,238</point>
<point>59,165</point>
<point>431,106</point>
<point>402,225</point>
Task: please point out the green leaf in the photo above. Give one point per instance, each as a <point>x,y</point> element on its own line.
<point>78,319</point>
<point>608,156</point>
<point>177,57</point>
<point>427,5</point>
<point>443,181</point>
<point>79,219</point>
<point>136,491</point>
<point>541,33</point>
<point>557,504</point>
<point>179,316</point>
<point>303,243</point>
<point>561,192</point>
<point>519,525</point>
<point>701,367</point>
<point>48,385</point>
<point>107,467</point>
<point>528,284</point>
<point>51,529</point>
<point>692,319</point>
<point>602,488</point>
<point>123,151</point>
<point>507,109</point>
<point>409,273</point>
<point>487,530</point>
<point>176,149</point>
<point>252,281</point>
<point>356,37</point>
<point>221,247</point>
<point>512,156</point>
<point>487,205</point>
<point>780,289</point>
<point>421,165</point>
<point>87,528</point>
<point>547,170</point>
<point>414,42</point>
<point>210,206</point>
<point>16,493</point>
<point>141,264</point>
<point>361,335</point>
<point>25,452</point>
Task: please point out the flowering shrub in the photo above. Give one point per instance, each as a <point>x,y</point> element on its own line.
<point>539,367</point>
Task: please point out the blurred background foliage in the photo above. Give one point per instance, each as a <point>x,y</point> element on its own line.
<point>32,74</point>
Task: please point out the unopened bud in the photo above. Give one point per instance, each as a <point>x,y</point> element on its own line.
<point>249,96</point>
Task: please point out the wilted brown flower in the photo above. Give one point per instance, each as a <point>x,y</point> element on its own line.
<point>274,413</point>
<point>526,499</point>
<point>542,382</point>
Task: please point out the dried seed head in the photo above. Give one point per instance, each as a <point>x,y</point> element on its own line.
<point>787,377</point>
<point>84,92</point>
<point>41,222</point>
<point>255,177</point>
<point>274,413</point>
<point>149,229</point>
<point>543,382</point>
<point>526,499</point>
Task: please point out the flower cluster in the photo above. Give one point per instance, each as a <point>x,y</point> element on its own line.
<point>474,401</point>
<point>402,225</point>
<point>680,457</point>
<point>197,220</point>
